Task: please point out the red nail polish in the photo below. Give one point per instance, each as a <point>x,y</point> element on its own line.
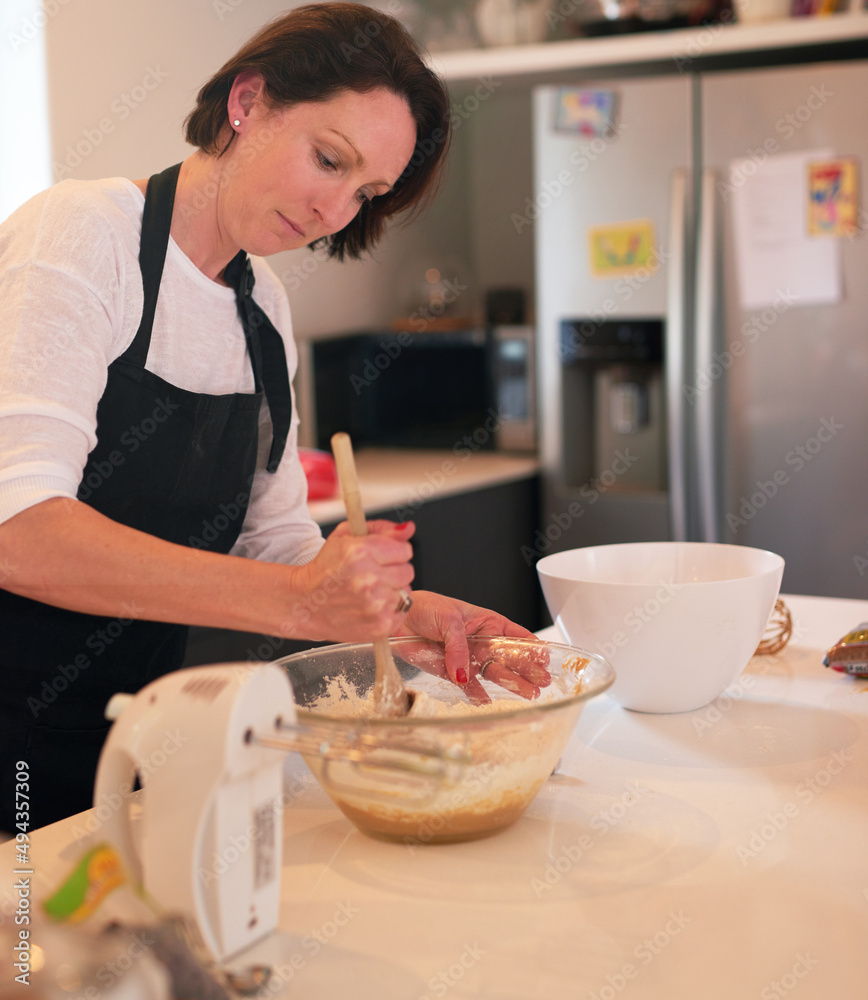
<point>403,524</point>
<point>461,675</point>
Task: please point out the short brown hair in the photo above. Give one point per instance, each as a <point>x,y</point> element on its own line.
<point>312,53</point>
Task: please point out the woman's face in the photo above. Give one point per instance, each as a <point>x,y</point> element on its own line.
<point>303,172</point>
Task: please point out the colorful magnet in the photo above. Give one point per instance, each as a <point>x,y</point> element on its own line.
<point>833,197</point>
<point>589,113</point>
<point>622,249</point>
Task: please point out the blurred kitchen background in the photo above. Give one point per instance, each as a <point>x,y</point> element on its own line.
<point>574,120</point>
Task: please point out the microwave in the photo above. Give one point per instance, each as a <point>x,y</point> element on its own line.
<point>447,389</point>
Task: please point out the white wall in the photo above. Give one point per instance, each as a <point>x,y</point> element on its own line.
<point>500,173</point>
<point>24,144</point>
<point>123,75</point>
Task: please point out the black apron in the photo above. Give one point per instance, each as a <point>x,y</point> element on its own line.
<point>175,464</point>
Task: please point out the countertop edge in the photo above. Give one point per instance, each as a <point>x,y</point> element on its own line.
<point>407,479</point>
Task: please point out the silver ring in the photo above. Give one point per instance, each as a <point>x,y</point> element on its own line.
<point>405,603</point>
<point>483,668</point>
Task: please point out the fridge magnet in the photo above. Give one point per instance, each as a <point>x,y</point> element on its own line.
<point>622,249</point>
<point>589,113</point>
<point>833,197</point>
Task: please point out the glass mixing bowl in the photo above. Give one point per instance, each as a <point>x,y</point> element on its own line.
<point>450,770</point>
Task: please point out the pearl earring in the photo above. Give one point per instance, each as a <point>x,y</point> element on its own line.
<point>237,122</point>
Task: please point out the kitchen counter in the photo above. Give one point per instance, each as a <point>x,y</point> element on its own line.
<point>394,477</point>
<point>718,854</point>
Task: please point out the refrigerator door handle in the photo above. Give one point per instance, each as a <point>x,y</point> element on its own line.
<point>706,416</point>
<point>675,356</point>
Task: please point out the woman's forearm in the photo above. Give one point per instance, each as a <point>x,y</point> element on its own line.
<point>63,552</point>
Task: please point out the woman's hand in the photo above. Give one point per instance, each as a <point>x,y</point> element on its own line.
<point>450,621</point>
<point>352,589</point>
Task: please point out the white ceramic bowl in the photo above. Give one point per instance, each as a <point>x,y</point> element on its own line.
<point>679,621</point>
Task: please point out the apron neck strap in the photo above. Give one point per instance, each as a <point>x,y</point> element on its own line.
<point>267,353</point>
<point>156,225</point>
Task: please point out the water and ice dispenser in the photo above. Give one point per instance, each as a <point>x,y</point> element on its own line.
<point>613,408</point>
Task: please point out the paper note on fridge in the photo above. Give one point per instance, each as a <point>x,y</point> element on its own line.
<point>775,255</point>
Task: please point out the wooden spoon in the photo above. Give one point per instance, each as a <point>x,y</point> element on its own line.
<point>390,696</point>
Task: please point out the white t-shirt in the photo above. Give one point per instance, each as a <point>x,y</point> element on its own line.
<point>71,302</point>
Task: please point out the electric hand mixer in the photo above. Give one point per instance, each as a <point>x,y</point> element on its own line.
<point>209,838</point>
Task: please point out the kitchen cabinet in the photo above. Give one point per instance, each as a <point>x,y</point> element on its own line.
<point>491,179</point>
<point>468,544</point>
<point>705,46</point>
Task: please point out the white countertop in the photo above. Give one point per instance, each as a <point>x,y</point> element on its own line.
<point>720,854</point>
<point>394,477</point>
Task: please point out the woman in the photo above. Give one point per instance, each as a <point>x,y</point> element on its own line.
<point>149,477</point>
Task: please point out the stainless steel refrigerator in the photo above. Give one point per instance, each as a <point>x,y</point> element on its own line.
<point>711,382</point>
